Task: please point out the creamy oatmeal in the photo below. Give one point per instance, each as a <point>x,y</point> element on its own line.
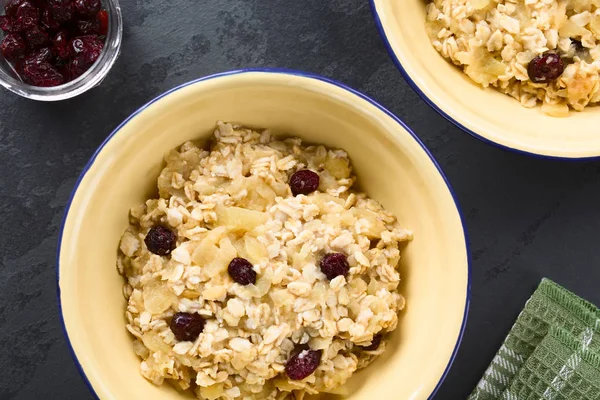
<point>538,51</point>
<point>259,273</point>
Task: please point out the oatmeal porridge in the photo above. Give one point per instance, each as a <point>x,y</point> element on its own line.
<point>538,51</point>
<point>259,273</point>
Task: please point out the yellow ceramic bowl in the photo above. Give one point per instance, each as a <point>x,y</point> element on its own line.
<point>484,113</point>
<point>392,166</point>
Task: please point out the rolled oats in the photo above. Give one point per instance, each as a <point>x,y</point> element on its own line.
<point>493,41</point>
<point>234,201</point>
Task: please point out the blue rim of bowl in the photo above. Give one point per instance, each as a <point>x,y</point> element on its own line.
<point>431,104</point>
<point>283,71</point>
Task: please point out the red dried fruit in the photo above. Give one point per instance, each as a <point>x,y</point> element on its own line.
<point>374,344</point>
<point>89,46</point>
<point>76,46</point>
<point>88,8</point>
<point>187,327</point>
<point>159,240</point>
<point>6,24</point>
<point>27,9</point>
<point>43,55</point>
<point>11,7</point>
<point>42,63</point>
<point>545,68</point>
<point>22,24</point>
<point>13,47</point>
<point>48,20</point>
<point>334,264</point>
<point>91,56</point>
<point>304,182</point>
<point>103,20</point>
<point>60,45</point>
<point>43,75</point>
<point>88,27</point>
<point>303,364</point>
<point>36,37</point>
<point>241,271</point>
<point>75,67</point>
<point>62,12</point>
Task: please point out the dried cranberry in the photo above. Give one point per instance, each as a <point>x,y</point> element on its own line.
<point>6,24</point>
<point>11,7</point>
<point>90,46</point>
<point>50,64</point>
<point>304,182</point>
<point>36,37</point>
<point>88,27</point>
<point>48,20</point>
<point>334,264</point>
<point>91,55</point>
<point>22,24</point>
<point>160,240</point>
<point>545,68</point>
<point>88,8</point>
<point>43,75</point>
<point>76,45</point>
<point>241,271</point>
<point>13,47</point>
<point>43,55</point>
<point>303,364</point>
<point>76,67</point>
<point>27,9</point>
<point>60,45</point>
<point>374,344</point>
<point>187,327</point>
<point>62,12</point>
<point>103,21</point>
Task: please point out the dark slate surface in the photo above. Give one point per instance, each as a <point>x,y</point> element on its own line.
<point>527,217</point>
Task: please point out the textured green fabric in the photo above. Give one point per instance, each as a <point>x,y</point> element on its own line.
<point>550,305</point>
<point>562,367</point>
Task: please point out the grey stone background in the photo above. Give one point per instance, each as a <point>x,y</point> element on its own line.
<point>527,218</point>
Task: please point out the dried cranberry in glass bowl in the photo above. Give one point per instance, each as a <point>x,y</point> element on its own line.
<point>52,42</point>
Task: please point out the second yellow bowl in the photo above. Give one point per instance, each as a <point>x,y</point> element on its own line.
<point>487,114</point>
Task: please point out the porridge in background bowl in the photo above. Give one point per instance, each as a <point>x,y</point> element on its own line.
<point>259,272</point>
<point>537,51</point>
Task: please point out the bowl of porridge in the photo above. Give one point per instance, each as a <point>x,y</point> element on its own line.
<point>520,75</point>
<point>263,234</point>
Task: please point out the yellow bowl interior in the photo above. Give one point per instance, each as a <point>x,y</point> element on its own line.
<point>487,113</point>
<point>391,165</point>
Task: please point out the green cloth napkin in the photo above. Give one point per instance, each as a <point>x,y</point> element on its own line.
<point>550,305</point>
<point>562,367</point>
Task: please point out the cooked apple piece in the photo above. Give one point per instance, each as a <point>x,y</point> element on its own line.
<point>480,4</point>
<point>338,167</point>
<point>571,29</point>
<point>595,25</point>
<point>376,226</point>
<point>321,200</point>
<point>155,343</point>
<point>212,392</point>
<point>158,297</point>
<point>237,218</point>
<point>255,251</point>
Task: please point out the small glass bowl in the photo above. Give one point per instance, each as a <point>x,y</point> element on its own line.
<point>91,78</point>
